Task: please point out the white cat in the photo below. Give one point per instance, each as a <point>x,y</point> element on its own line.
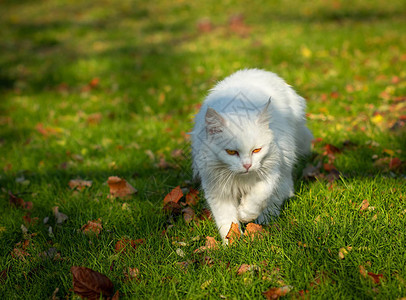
<point>247,136</point>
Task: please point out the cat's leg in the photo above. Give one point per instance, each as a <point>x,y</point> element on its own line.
<point>253,203</point>
<point>224,211</point>
<point>284,191</point>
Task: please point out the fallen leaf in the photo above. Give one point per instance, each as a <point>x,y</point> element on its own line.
<point>4,275</point>
<point>328,167</point>
<point>363,271</point>
<point>206,284</point>
<point>180,252</point>
<point>211,244</point>
<point>172,208</point>
<point>183,265</point>
<point>30,221</point>
<point>133,273</point>
<point>60,217</point>
<point>92,227</point>
<point>79,184</point>
<point>343,252</point>
<point>234,233</point>
<point>254,230</point>
<point>19,202</point>
<point>331,149</point>
<point>91,284</point>
<point>277,292</point>
<point>120,187</point>
<point>188,214</point>
<point>122,244</point>
<point>205,214</point>
<point>377,119</point>
<point>376,278</point>
<point>394,163</point>
<point>237,25</point>
<point>174,195</point>
<point>192,197</point>
<point>94,82</point>
<point>204,26</point>
<point>244,268</point>
<point>364,204</point>
<point>19,253</point>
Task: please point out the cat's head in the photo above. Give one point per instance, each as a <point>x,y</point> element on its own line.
<point>239,142</point>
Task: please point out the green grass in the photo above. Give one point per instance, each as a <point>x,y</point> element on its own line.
<point>154,66</point>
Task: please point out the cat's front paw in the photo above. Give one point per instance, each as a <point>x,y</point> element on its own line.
<point>245,215</point>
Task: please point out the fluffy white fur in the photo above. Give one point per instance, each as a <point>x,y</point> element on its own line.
<point>251,109</point>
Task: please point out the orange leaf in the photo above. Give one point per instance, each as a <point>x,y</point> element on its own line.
<point>91,284</point>
<point>120,187</point>
<point>92,227</point>
<point>254,230</point>
<point>234,233</point>
<point>364,205</point>
<point>174,195</point>
<point>243,269</point>
<point>328,167</point>
<point>362,271</point>
<point>192,197</point>
<point>275,293</point>
<point>211,244</point>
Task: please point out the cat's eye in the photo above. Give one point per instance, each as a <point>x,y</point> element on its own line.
<point>231,152</point>
<point>256,150</point>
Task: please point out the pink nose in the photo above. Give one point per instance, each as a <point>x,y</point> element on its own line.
<point>247,166</point>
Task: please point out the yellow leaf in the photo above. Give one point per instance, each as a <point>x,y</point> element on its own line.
<point>306,52</point>
<point>205,284</point>
<point>389,151</point>
<point>377,119</point>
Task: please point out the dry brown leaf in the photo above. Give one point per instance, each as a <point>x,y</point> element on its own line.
<point>234,233</point>
<point>92,227</point>
<point>79,184</point>
<point>60,217</point>
<point>254,230</point>
<point>120,187</point>
<point>19,202</point>
<point>133,273</point>
<point>124,243</point>
<point>4,275</point>
<point>188,214</point>
<point>275,293</point>
<point>174,195</point>
<point>91,284</point>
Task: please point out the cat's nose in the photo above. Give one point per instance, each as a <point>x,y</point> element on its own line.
<point>247,166</point>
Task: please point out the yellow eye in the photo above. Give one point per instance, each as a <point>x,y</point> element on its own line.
<point>231,152</point>
<point>256,150</point>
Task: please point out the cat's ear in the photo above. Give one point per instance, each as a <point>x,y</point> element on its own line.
<point>264,117</point>
<point>214,122</point>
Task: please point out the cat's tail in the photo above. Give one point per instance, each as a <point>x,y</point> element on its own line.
<point>304,141</point>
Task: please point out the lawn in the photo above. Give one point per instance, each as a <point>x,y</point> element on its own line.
<point>95,89</point>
